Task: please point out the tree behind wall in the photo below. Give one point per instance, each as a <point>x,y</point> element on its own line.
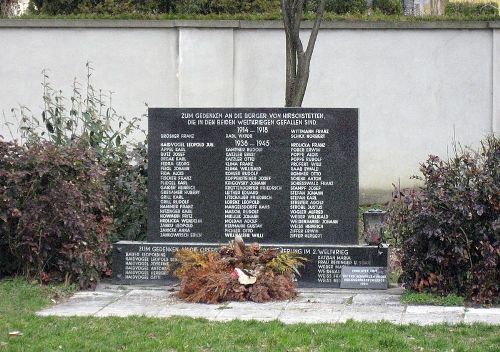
<point>8,7</point>
<point>298,60</point>
<point>109,7</point>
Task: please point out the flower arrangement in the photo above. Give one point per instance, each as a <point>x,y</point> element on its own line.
<point>236,272</point>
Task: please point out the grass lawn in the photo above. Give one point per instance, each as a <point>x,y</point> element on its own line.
<point>410,297</point>
<point>20,299</point>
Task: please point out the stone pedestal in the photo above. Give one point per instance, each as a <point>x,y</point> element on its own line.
<point>146,262</point>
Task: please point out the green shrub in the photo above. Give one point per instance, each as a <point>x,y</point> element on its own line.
<point>471,8</point>
<point>54,212</point>
<point>91,119</point>
<point>192,6</point>
<point>54,7</point>
<point>76,184</point>
<point>126,181</point>
<point>113,7</point>
<point>206,7</point>
<point>346,6</point>
<point>151,8</point>
<point>9,154</point>
<point>66,7</point>
<point>109,7</point>
<point>340,6</point>
<point>388,7</point>
<point>449,229</point>
<point>260,6</point>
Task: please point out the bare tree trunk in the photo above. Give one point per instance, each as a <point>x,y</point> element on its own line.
<point>298,60</point>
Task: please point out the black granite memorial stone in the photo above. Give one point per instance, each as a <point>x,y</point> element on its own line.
<point>285,178</point>
<point>269,175</point>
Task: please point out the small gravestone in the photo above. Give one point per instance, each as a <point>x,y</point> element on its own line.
<point>364,277</point>
<point>282,177</point>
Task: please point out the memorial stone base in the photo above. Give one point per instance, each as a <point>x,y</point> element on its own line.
<point>146,262</point>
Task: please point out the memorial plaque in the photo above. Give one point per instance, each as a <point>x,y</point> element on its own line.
<point>140,262</point>
<point>282,176</point>
<point>367,277</point>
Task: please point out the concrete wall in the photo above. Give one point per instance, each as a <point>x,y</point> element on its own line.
<point>417,85</point>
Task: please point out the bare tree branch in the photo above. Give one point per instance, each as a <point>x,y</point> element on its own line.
<point>298,61</point>
<point>315,29</point>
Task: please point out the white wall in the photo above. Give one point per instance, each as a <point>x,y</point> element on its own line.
<point>137,64</point>
<point>416,88</point>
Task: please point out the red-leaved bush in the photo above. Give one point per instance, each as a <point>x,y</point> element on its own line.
<point>53,215</point>
<point>449,229</point>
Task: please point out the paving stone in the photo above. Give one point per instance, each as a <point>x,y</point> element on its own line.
<point>375,309</point>
<point>192,310</point>
<point>293,305</point>
<point>126,308</point>
<point>251,311</point>
<point>146,296</point>
<point>429,319</point>
<point>314,306</point>
<point>248,314</point>
<point>482,315</point>
<point>391,313</point>
<point>97,295</point>
<point>427,315</point>
<point>413,309</point>
<point>394,318</point>
<point>257,306</point>
<point>375,299</point>
<point>83,303</point>
<point>302,290</point>
<point>313,317</point>
<point>311,313</point>
<point>138,302</point>
<point>322,298</point>
<point>350,292</point>
<point>107,286</point>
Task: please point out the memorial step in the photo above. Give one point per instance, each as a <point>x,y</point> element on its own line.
<point>146,262</point>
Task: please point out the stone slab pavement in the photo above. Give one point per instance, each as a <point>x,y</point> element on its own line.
<point>310,306</point>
